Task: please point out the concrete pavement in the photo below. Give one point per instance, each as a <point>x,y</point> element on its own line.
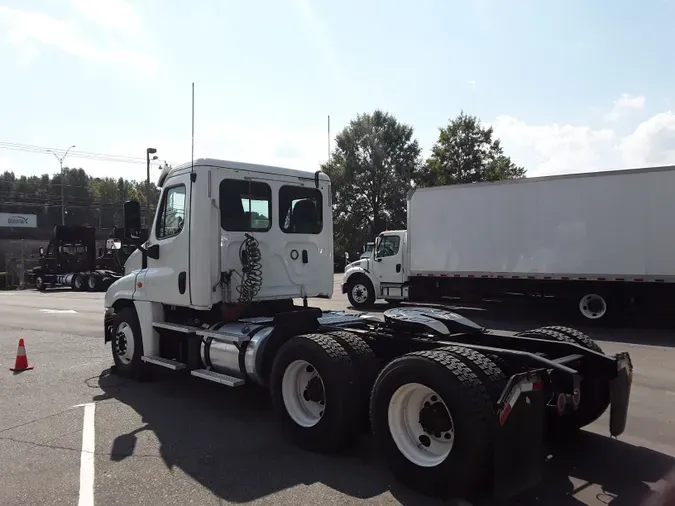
<point>192,442</point>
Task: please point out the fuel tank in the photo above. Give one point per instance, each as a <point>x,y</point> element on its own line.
<point>236,349</point>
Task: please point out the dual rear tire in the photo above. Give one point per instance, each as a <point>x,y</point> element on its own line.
<point>431,412</point>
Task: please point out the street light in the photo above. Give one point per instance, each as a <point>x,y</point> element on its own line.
<point>60,159</point>
<point>148,152</point>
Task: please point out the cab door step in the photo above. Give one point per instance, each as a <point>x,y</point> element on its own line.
<point>175,327</point>
<point>216,377</point>
<point>163,362</point>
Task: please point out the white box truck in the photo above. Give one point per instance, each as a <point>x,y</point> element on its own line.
<point>598,240</point>
<point>211,294</point>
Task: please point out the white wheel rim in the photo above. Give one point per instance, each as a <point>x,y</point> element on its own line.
<point>360,293</point>
<point>418,445</point>
<point>124,343</point>
<point>592,306</point>
<point>301,397</point>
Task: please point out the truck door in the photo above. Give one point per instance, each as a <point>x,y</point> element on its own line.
<point>165,279</point>
<point>388,259</point>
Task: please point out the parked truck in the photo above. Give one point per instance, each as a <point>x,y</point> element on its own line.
<point>71,259</point>
<point>600,242</point>
<point>211,294</point>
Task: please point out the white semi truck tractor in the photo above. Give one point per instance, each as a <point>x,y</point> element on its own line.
<point>453,406</point>
<point>600,243</point>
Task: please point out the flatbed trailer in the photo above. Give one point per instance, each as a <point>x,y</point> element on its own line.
<point>451,405</point>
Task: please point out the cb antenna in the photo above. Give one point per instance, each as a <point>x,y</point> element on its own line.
<point>329,171</point>
<point>192,167</point>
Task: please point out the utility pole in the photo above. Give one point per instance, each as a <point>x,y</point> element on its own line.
<point>63,203</point>
<point>148,152</point>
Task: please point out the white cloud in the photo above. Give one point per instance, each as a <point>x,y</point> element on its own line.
<point>471,82</point>
<point>101,31</point>
<point>624,105</point>
<point>564,149</point>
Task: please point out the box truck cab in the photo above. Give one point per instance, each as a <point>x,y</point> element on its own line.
<point>381,275</point>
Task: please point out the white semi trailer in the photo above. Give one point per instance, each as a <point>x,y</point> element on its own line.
<point>211,294</point>
<point>601,241</point>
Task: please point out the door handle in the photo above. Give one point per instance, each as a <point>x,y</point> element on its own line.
<point>398,267</point>
<point>305,256</point>
<point>182,278</point>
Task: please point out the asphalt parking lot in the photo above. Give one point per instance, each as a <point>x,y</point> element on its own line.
<point>70,421</point>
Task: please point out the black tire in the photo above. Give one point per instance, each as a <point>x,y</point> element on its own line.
<point>338,425</point>
<point>93,282</point>
<point>367,368</point>
<point>40,283</point>
<point>359,284</point>
<point>79,282</point>
<point>595,391</point>
<point>135,368</point>
<point>580,338</point>
<point>470,406</point>
<point>482,366</point>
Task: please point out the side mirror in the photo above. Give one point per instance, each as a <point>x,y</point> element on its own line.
<point>41,251</point>
<point>132,218</point>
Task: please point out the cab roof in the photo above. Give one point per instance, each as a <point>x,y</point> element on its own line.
<point>248,167</point>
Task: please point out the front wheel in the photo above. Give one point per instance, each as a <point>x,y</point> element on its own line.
<point>360,292</point>
<point>127,345</point>
<point>40,283</point>
<point>433,418</point>
<point>314,388</point>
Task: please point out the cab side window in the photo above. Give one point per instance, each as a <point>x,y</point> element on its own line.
<point>388,246</point>
<point>172,213</point>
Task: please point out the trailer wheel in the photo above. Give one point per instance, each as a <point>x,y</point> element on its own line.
<point>594,308</point>
<point>314,390</point>
<point>366,364</point>
<point>40,283</point>
<point>78,282</point>
<point>93,282</point>
<point>127,345</point>
<point>360,292</point>
<point>433,419</point>
<point>579,337</point>
<point>482,366</point>
<point>595,392</point>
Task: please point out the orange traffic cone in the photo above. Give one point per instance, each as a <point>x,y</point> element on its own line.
<point>21,363</point>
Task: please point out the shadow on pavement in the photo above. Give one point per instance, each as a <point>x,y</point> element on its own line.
<point>228,441</point>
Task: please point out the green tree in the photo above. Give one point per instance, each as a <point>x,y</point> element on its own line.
<point>467,153</point>
<point>372,168</point>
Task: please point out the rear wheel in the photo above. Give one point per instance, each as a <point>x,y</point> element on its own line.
<point>314,390</point>
<point>482,366</point>
<point>433,419</point>
<point>366,364</point>
<point>79,282</point>
<point>595,390</point>
<point>579,337</point>
<point>93,282</point>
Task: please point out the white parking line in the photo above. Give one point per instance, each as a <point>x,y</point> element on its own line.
<point>87,457</point>
<point>58,311</point>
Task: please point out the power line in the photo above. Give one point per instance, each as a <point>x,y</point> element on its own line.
<point>87,155</point>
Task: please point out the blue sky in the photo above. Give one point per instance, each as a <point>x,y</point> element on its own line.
<point>569,86</point>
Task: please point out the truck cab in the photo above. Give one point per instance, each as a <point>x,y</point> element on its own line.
<point>382,275</point>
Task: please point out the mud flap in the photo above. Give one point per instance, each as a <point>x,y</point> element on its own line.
<point>519,444</point>
<point>620,394</point>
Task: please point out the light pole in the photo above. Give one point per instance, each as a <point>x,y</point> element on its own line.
<point>60,159</point>
<point>148,152</point>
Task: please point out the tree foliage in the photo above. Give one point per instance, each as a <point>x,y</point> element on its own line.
<point>467,153</point>
<point>88,200</point>
<point>372,168</point>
